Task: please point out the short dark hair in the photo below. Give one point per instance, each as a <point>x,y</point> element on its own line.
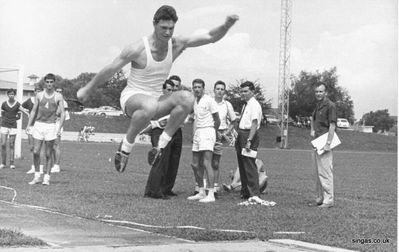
<point>49,76</point>
<point>318,84</point>
<point>248,84</point>
<point>168,82</point>
<point>175,77</point>
<point>219,82</point>
<point>11,90</point>
<point>165,12</point>
<point>199,81</point>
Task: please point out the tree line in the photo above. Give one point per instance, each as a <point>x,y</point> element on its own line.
<point>301,95</point>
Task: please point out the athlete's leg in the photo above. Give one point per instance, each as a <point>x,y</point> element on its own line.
<point>141,108</point>
<point>56,155</point>
<point>179,104</point>
<point>49,149</point>
<point>12,151</point>
<point>3,149</point>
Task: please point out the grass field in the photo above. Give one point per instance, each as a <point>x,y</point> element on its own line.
<point>88,186</point>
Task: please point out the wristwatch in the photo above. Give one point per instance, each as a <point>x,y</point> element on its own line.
<point>328,142</point>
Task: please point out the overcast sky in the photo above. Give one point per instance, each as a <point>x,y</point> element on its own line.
<point>359,37</point>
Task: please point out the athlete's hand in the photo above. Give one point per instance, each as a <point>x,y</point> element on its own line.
<point>28,130</point>
<point>231,20</point>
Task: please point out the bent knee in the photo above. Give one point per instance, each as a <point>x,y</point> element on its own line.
<point>185,98</point>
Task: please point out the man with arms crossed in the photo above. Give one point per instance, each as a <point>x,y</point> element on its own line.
<point>324,120</point>
<point>45,129</point>
<point>151,59</point>
<point>248,139</point>
<point>206,123</point>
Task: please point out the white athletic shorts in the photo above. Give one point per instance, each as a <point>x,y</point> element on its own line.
<point>204,139</point>
<point>8,131</point>
<point>129,92</point>
<point>44,131</point>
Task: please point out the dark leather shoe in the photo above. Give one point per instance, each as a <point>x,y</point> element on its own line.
<point>170,193</point>
<point>313,204</point>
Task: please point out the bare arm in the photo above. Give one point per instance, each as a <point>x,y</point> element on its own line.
<point>252,131</point>
<point>330,136</point>
<point>212,36</point>
<point>62,112</point>
<point>33,112</point>
<point>126,56</point>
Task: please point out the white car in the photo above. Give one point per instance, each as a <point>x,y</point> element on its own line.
<point>272,119</point>
<point>86,111</point>
<point>343,123</point>
<point>108,111</point>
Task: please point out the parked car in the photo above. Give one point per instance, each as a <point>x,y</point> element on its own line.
<point>86,111</point>
<point>108,111</point>
<point>343,123</point>
<point>272,119</point>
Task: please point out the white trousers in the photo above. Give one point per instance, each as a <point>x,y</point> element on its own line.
<point>324,177</point>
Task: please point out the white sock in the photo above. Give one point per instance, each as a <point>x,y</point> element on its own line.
<point>126,146</point>
<point>202,191</point>
<point>211,192</point>
<point>196,187</point>
<point>37,175</point>
<point>164,139</point>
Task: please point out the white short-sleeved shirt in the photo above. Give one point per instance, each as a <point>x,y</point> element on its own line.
<point>225,110</point>
<point>252,111</point>
<point>203,111</point>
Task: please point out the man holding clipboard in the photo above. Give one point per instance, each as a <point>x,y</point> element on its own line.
<point>247,143</point>
<point>323,121</point>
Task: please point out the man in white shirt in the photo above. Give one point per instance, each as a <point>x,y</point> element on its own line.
<point>206,123</point>
<point>228,121</point>
<point>248,140</point>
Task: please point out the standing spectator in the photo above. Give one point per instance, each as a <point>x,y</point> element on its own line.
<point>28,104</point>
<point>228,121</point>
<point>324,121</point>
<point>248,140</point>
<point>206,123</point>
<point>57,152</point>
<point>10,113</point>
<point>163,173</point>
<point>45,129</point>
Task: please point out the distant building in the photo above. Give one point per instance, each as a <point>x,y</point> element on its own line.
<point>28,90</point>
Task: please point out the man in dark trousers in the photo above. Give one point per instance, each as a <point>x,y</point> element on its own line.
<point>247,142</point>
<point>163,174</point>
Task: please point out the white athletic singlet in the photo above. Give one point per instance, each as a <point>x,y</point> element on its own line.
<point>150,79</point>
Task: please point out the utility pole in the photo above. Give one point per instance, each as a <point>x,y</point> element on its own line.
<point>284,70</point>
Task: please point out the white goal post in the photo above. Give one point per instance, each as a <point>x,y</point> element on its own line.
<point>20,81</point>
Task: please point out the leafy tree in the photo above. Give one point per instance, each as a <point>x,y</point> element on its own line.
<point>234,97</point>
<point>302,99</point>
<point>380,119</point>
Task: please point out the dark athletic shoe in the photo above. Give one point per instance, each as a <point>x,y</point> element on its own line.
<point>154,155</point>
<point>121,159</point>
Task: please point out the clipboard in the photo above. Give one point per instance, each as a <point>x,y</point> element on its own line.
<point>321,141</point>
<point>250,153</point>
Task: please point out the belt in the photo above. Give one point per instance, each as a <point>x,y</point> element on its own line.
<point>244,129</point>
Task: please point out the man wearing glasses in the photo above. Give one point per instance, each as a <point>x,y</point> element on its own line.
<point>45,129</point>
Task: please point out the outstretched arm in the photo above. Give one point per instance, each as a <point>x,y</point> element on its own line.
<point>126,56</point>
<point>212,36</point>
